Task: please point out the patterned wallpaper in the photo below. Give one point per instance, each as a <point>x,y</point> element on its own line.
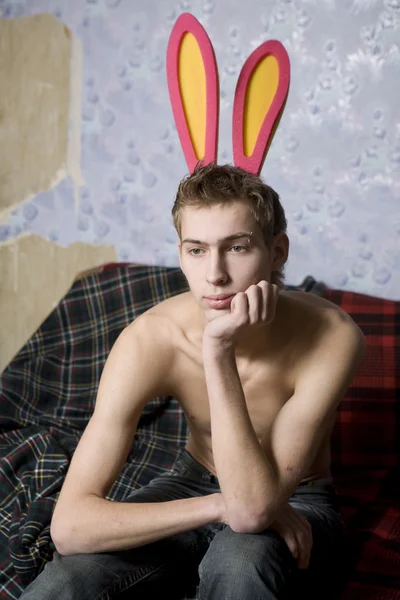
<point>335,159</point>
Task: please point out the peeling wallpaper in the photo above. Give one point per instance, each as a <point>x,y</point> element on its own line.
<point>335,159</point>
<point>38,55</point>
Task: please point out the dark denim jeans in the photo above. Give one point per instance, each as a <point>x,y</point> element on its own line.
<point>230,565</point>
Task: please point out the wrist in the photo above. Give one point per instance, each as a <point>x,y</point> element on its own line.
<point>218,346</point>
<point>220,513</point>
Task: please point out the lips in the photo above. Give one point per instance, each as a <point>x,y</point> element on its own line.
<point>219,303</point>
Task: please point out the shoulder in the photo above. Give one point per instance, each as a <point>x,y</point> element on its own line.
<point>324,329</point>
<point>316,311</point>
<point>163,324</point>
<point>327,348</point>
<point>307,299</point>
<point>173,308</point>
<point>175,314</point>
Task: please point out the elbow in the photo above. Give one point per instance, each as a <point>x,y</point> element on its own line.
<point>254,520</point>
<point>65,536</point>
<point>248,522</point>
<point>59,537</point>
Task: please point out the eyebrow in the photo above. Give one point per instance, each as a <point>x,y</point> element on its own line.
<point>228,238</point>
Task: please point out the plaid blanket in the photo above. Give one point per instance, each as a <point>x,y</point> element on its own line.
<point>366,453</point>
<point>47,396</point>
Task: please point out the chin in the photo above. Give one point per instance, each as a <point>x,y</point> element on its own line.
<point>214,313</point>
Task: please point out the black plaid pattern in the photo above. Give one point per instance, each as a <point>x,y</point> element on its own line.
<point>47,396</point>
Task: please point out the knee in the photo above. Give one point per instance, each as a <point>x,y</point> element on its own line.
<point>62,578</point>
<point>241,561</point>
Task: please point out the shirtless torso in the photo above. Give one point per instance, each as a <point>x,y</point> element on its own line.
<point>287,358</point>
<point>268,377</point>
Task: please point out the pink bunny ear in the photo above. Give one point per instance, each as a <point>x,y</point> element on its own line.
<point>194,90</point>
<point>260,98</point>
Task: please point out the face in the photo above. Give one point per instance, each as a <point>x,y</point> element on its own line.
<point>215,265</point>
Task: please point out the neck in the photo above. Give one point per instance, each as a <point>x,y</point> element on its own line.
<point>253,342</point>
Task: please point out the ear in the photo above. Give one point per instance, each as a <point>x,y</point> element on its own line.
<point>280,251</point>
<point>260,98</point>
<point>194,90</point>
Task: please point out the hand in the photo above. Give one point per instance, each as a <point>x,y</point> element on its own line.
<point>295,529</point>
<point>253,308</point>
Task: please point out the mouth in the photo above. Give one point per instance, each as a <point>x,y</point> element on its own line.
<point>222,302</point>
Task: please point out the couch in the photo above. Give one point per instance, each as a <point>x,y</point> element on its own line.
<point>47,395</point>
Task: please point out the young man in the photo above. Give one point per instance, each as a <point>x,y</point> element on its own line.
<point>259,373</point>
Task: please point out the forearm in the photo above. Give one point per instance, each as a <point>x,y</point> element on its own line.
<point>246,477</point>
<point>99,525</point>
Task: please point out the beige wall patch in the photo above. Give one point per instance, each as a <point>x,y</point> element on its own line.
<point>35,275</point>
<point>40,107</point>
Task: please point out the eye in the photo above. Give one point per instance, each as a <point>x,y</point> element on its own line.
<point>241,248</point>
<point>193,251</point>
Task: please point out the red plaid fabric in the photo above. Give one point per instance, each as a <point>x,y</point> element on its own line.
<point>365,453</point>
<point>367,432</point>
<point>48,391</point>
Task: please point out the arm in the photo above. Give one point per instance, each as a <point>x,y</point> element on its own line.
<point>298,430</point>
<point>258,479</point>
<point>83,520</point>
<point>243,472</point>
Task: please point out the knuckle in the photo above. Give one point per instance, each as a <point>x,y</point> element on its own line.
<point>307,524</point>
<point>301,536</point>
<point>253,290</point>
<point>291,542</point>
<point>303,519</point>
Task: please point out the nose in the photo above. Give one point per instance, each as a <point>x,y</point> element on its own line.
<point>216,271</point>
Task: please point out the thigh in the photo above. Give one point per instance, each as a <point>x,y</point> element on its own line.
<point>169,564</point>
<point>141,572</point>
<point>166,566</point>
<point>238,559</point>
<point>182,481</point>
<point>235,561</point>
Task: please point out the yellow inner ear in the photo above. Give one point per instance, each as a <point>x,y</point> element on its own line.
<point>259,96</point>
<point>192,83</point>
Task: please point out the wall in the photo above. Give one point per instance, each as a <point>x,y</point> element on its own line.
<point>335,159</point>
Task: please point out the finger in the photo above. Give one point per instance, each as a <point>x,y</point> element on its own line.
<point>254,295</point>
<point>304,543</point>
<point>301,522</point>
<point>240,307</point>
<point>272,300</point>
<point>263,298</point>
<point>304,552</point>
<point>287,533</point>
<point>302,532</point>
<point>291,542</point>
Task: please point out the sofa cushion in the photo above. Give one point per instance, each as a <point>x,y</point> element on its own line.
<point>47,396</point>
<point>367,432</point>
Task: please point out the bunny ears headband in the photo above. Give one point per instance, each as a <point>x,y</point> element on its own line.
<point>193,84</point>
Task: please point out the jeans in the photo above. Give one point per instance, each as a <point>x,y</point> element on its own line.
<point>229,565</point>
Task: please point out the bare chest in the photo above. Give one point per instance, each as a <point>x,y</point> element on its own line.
<point>267,387</point>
